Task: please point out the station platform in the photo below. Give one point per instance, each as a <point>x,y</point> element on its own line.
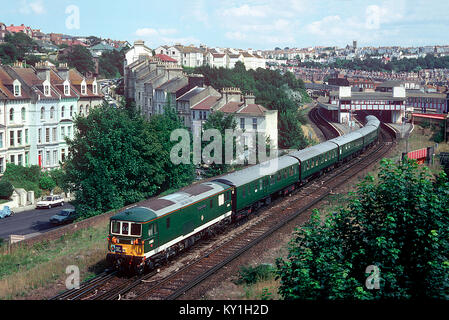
<point>404,130</point>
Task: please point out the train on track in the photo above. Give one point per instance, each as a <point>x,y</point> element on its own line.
<point>150,233</point>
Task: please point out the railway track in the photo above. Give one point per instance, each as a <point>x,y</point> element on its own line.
<point>326,128</point>
<point>212,255</point>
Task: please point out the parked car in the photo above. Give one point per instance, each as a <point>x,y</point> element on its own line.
<point>6,212</point>
<point>65,216</point>
<point>50,201</point>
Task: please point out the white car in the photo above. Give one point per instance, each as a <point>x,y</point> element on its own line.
<point>50,201</point>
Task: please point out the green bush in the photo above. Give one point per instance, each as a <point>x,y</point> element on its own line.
<point>251,275</point>
<point>46,182</point>
<point>6,189</point>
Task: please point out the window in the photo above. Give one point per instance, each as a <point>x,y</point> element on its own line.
<point>17,91</point>
<point>23,114</point>
<point>242,123</point>
<point>52,112</point>
<point>19,137</point>
<point>66,89</point>
<point>42,113</point>
<point>62,133</point>
<point>20,160</point>
<point>47,159</point>
<point>115,227</point>
<point>125,228</point>
<point>1,165</point>
<point>152,229</point>
<point>54,135</point>
<point>62,155</point>
<point>94,88</point>
<point>55,157</point>
<point>11,138</point>
<point>83,89</point>
<point>13,159</point>
<point>221,199</point>
<point>39,136</point>
<point>1,140</point>
<point>168,223</point>
<point>255,123</point>
<point>11,114</point>
<point>62,111</point>
<point>47,135</point>
<point>211,203</point>
<point>71,111</point>
<point>136,229</point>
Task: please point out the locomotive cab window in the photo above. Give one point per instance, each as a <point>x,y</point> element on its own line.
<point>136,229</point>
<point>115,227</point>
<point>123,228</point>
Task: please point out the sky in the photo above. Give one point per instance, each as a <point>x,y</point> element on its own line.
<point>255,24</point>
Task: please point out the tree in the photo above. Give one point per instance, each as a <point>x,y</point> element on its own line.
<point>22,43</point>
<point>6,189</point>
<point>80,58</point>
<point>46,182</point>
<point>111,64</point>
<point>114,160</point>
<point>405,234</point>
<point>8,53</point>
<point>177,175</point>
<point>117,158</point>
<point>222,122</point>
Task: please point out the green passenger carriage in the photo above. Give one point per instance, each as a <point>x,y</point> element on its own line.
<point>348,145</point>
<point>315,160</point>
<point>256,185</point>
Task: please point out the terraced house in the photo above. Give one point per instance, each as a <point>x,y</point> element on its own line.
<point>37,109</point>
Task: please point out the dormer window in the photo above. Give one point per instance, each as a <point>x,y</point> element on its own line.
<point>94,88</point>
<point>17,88</point>
<point>46,85</point>
<point>83,87</point>
<point>66,88</point>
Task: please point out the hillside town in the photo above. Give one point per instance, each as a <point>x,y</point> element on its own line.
<point>161,164</point>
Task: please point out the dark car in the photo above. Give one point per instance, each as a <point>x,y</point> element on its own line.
<point>65,216</point>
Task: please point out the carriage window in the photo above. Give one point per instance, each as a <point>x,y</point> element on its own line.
<point>136,229</point>
<point>168,223</point>
<point>211,203</point>
<point>244,192</point>
<point>261,184</point>
<point>221,199</point>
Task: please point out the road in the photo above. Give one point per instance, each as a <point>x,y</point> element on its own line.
<point>29,222</point>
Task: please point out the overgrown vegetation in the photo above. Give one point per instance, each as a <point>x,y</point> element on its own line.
<point>403,233</point>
